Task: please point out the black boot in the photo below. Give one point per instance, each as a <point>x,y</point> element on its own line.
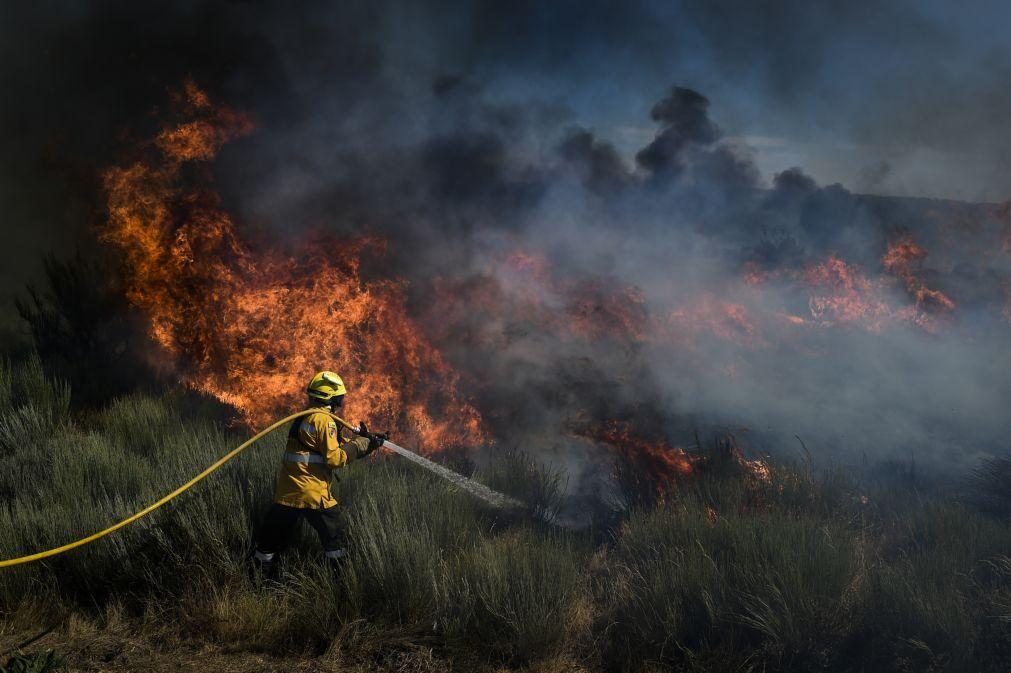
<point>336,559</point>
<point>264,566</point>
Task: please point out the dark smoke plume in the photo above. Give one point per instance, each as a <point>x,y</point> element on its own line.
<point>567,280</point>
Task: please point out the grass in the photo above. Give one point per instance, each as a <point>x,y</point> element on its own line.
<point>802,573</point>
<point>519,475</point>
<point>987,487</point>
<point>691,586</point>
<point>40,662</point>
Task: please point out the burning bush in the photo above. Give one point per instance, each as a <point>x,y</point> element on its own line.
<point>251,326</point>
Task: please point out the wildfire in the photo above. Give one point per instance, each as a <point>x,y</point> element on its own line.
<point>904,259</point>
<point>707,315</point>
<point>598,312</point>
<point>649,461</point>
<point>841,293</point>
<point>654,457</point>
<point>251,326</point>
<point>646,469</point>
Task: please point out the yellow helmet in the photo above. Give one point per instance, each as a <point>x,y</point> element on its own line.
<point>326,386</point>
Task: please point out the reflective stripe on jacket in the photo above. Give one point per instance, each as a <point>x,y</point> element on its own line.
<point>315,448</point>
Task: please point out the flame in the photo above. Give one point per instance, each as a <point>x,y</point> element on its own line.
<point>708,315</point>
<point>904,260</point>
<point>251,326</point>
<point>842,293</point>
<point>518,288</point>
<point>655,462</point>
<point>655,457</point>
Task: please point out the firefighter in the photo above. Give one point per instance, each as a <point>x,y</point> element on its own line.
<point>316,447</point>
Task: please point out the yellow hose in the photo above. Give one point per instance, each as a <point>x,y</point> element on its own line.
<point>182,489</point>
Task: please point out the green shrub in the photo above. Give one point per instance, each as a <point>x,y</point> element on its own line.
<point>402,527</point>
<point>140,425</point>
<point>916,620</point>
<point>934,597</point>
<point>82,480</point>
<point>518,474</point>
<point>989,486</point>
<point>40,662</point>
<point>512,596</point>
<point>31,406</point>
<point>81,326</point>
<point>685,587</point>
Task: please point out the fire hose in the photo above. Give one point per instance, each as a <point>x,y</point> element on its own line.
<point>493,498</point>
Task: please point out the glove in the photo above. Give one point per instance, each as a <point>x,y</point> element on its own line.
<point>376,439</point>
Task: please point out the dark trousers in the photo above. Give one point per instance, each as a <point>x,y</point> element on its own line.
<point>282,521</point>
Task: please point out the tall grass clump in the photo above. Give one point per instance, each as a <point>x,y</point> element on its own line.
<point>513,596</point>
<point>403,526</point>
<point>989,486</point>
<point>520,475</point>
<point>428,565</point>
<point>84,474</point>
<point>934,596</point>
<point>431,560</point>
<point>688,587</point>
<point>32,405</point>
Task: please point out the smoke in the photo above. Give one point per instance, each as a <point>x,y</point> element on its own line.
<point>568,281</point>
<point>568,286</point>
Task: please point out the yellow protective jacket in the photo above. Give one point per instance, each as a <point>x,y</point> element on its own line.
<point>315,448</point>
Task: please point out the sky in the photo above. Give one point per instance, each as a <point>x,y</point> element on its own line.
<point>900,98</point>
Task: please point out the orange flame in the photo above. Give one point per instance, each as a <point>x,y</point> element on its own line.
<point>657,458</point>
<point>904,259</point>
<point>841,293</point>
<point>663,465</point>
<point>251,326</point>
<point>844,294</point>
<point>708,315</point>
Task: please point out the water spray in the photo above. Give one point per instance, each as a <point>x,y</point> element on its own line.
<point>476,489</point>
